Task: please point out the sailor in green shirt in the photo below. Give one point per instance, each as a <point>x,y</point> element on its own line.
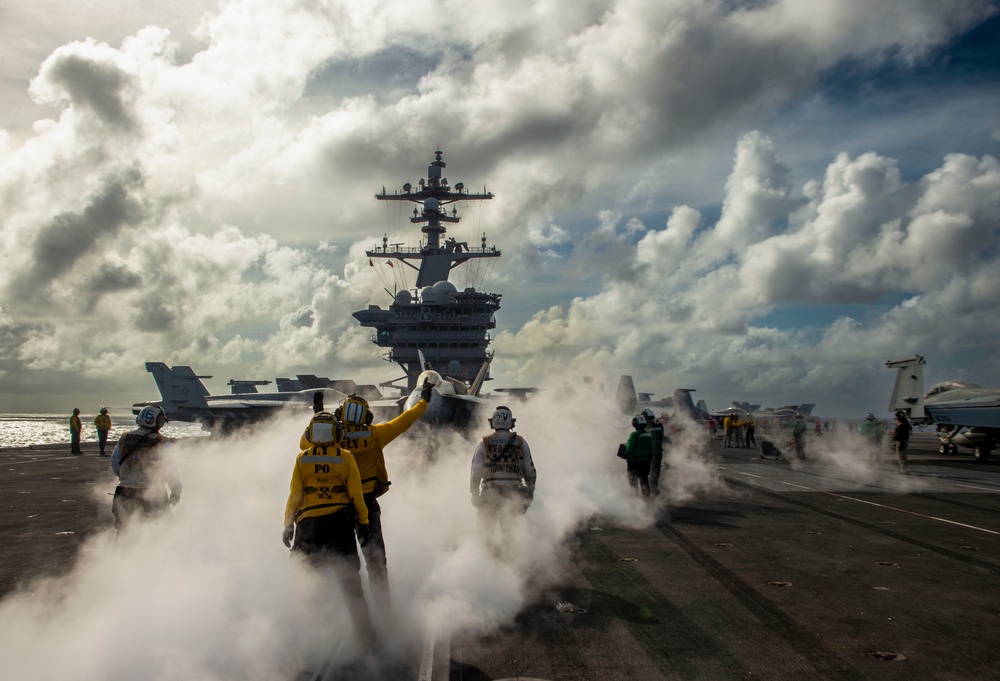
<point>638,454</point>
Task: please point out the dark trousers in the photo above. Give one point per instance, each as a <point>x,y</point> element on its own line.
<point>751,440</point>
<point>901,446</point>
<point>501,504</point>
<point>74,442</point>
<point>102,439</point>
<point>799,444</point>
<point>638,477</point>
<point>655,466</point>
<point>375,560</point>
<point>133,503</point>
<point>329,541</point>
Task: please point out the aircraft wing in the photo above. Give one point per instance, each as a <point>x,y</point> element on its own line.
<point>471,399</point>
<point>234,405</point>
<point>388,403</point>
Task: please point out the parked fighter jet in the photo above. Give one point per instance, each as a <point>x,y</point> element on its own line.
<point>755,409</point>
<point>782,416</point>
<point>631,402</point>
<point>184,398</point>
<point>452,400</point>
<point>966,414</point>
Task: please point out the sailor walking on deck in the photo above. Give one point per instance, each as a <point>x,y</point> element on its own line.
<point>871,429</point>
<point>655,430</point>
<point>148,483</point>
<point>75,428</point>
<point>901,439</point>
<point>799,430</point>
<point>503,477</point>
<point>103,424</point>
<point>366,442</point>
<point>638,454</point>
<point>325,509</point>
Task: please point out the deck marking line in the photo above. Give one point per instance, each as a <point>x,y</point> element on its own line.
<point>749,475</point>
<point>919,515</point>
<point>988,489</point>
<point>792,484</point>
<point>427,659</point>
<point>892,508</point>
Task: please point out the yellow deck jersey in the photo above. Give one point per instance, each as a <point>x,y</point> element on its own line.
<point>366,445</point>
<point>324,480</point>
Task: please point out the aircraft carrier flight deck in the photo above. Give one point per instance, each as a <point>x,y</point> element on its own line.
<point>795,574</point>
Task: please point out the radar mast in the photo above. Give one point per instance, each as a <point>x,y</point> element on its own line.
<point>450,328</point>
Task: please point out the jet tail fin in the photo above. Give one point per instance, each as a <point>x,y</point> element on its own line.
<point>626,397</point>
<point>806,409</point>
<point>477,384</point>
<point>179,387</point>
<point>684,404</point>
<point>908,391</point>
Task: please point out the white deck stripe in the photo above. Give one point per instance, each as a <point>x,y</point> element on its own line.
<point>427,659</point>
<point>873,503</point>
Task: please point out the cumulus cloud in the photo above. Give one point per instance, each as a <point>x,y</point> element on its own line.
<point>204,196</point>
<point>695,301</point>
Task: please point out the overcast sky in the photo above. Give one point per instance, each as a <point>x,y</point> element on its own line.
<point>760,200</point>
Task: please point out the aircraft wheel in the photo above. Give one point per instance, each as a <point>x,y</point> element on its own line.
<point>981,453</point>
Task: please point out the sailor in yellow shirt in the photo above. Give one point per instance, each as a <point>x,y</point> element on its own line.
<point>738,431</point>
<point>727,425</point>
<point>366,441</point>
<point>75,428</point>
<point>325,507</point>
<point>103,424</point>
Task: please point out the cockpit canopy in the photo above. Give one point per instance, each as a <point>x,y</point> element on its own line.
<point>947,386</point>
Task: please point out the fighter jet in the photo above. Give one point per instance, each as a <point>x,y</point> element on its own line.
<point>184,398</point>
<point>452,400</point>
<point>966,414</point>
<point>631,402</point>
<point>783,416</point>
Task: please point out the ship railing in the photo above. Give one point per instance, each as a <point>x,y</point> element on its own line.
<point>417,250</point>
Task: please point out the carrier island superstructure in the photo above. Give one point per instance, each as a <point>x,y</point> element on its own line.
<point>448,328</point>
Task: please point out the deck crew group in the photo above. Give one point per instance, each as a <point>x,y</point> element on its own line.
<point>336,481</point>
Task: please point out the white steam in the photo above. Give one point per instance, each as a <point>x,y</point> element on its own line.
<point>214,595</point>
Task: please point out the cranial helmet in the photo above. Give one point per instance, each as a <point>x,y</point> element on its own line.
<point>502,419</point>
<point>648,414</point>
<point>638,421</point>
<point>151,416</point>
<point>324,429</point>
<point>354,411</point>
<point>104,410</point>
<point>870,415</point>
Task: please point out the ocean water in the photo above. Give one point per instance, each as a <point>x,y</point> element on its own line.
<point>22,430</point>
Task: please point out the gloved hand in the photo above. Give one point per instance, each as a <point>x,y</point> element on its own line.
<point>174,498</point>
<point>426,390</point>
<point>363,534</point>
<point>287,534</point>
<point>475,499</point>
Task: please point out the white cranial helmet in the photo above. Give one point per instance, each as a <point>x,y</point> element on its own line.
<point>151,416</point>
<point>502,419</point>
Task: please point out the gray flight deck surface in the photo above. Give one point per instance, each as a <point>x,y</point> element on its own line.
<point>797,572</point>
